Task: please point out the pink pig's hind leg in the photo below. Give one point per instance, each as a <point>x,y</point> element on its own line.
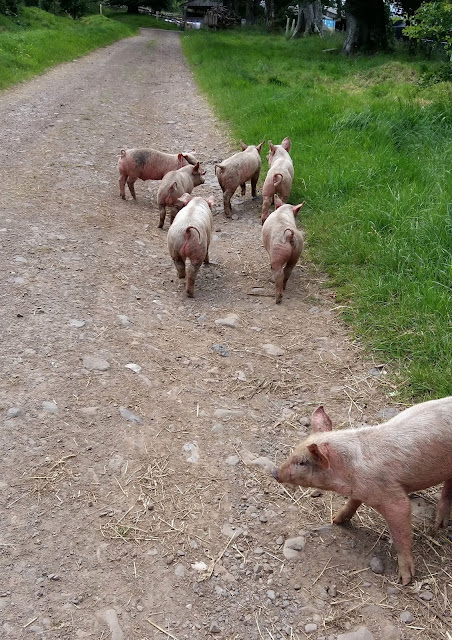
<point>122,186</point>
<point>180,266</point>
<point>131,185</point>
<point>192,272</point>
<point>347,511</point>
<point>254,180</point>
<point>397,514</point>
<point>162,212</point>
<point>279,284</point>
<point>243,189</point>
<point>444,505</point>
<point>266,202</point>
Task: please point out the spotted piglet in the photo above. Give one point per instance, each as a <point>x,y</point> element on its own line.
<point>283,242</point>
<point>148,164</point>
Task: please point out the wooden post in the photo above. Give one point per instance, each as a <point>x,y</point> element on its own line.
<point>100,8</point>
<point>287,27</point>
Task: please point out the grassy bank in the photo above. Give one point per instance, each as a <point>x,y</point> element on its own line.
<point>372,150</point>
<point>37,40</point>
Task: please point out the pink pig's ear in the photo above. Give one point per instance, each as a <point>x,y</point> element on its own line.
<point>259,146</point>
<point>320,421</point>
<point>211,201</point>
<point>320,454</point>
<point>278,202</point>
<point>243,145</point>
<point>297,208</point>
<point>271,146</point>
<point>286,144</point>
<point>196,168</point>
<point>184,199</point>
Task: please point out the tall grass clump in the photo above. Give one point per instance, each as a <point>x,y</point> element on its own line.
<point>372,150</point>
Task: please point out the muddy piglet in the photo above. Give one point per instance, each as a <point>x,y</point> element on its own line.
<point>173,185</point>
<point>189,238</point>
<point>279,177</point>
<point>380,466</point>
<point>283,242</point>
<point>148,164</point>
<point>237,170</point>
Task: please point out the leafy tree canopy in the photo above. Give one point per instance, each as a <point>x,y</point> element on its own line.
<point>433,21</point>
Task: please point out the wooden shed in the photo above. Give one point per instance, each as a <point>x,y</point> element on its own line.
<point>209,13</point>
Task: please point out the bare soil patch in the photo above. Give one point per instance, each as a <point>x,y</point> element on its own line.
<point>118,484</point>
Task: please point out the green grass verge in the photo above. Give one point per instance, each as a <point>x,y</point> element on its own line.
<point>37,40</point>
<point>372,150</point>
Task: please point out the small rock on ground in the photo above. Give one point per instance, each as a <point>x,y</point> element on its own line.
<point>232,320</point>
<point>128,415</point>
<point>93,363</point>
<point>293,547</point>
<point>361,634</point>
<point>14,412</point>
<point>376,564</point>
<point>272,350</point>
<point>406,617</point>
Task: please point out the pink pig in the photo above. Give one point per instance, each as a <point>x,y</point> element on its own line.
<point>148,164</point>
<point>173,185</point>
<point>279,177</point>
<point>189,237</point>
<point>380,466</point>
<point>237,170</point>
<point>283,242</point>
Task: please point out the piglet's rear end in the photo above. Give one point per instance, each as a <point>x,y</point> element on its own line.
<point>189,238</point>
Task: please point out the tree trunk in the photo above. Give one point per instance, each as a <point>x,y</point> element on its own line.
<point>132,7</point>
<point>270,14</point>
<point>250,12</point>
<point>366,26</point>
<point>310,18</point>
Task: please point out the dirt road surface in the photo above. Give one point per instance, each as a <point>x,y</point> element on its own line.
<point>130,413</point>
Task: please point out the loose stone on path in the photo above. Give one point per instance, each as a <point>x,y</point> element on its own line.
<point>232,320</point>
<point>128,415</point>
<point>273,350</point>
<point>94,363</point>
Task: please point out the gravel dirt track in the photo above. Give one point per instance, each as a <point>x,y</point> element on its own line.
<point>115,483</point>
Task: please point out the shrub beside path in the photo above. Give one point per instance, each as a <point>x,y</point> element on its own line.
<point>131,414</point>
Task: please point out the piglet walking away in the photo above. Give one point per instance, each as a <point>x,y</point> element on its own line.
<point>189,238</point>
<point>283,242</point>
<point>279,177</point>
<point>148,164</point>
<point>173,185</point>
<point>237,170</point>
<point>380,466</point>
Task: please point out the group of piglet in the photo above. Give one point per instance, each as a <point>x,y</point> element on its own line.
<point>191,218</point>
<point>377,466</point>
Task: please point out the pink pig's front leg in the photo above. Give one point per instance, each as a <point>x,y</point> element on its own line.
<point>347,511</point>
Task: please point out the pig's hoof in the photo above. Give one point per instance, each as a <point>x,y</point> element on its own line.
<point>278,299</point>
<point>161,225</point>
<point>406,571</point>
<point>190,294</point>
